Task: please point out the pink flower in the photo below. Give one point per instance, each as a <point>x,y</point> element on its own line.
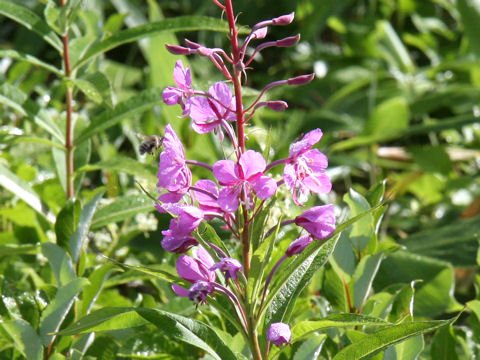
<point>173,173</point>
<point>179,95</point>
<point>305,168</point>
<point>207,200</point>
<point>229,266</point>
<point>279,333</point>
<point>194,269</point>
<point>178,238</point>
<point>208,113</point>
<point>244,176</point>
<point>318,221</point>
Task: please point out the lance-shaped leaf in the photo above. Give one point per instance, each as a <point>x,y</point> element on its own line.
<point>57,310</point>
<point>60,263</point>
<point>78,237</point>
<point>13,54</point>
<point>25,338</point>
<point>31,21</point>
<point>133,106</point>
<point>190,331</point>
<point>181,23</point>
<point>384,338</point>
<point>23,190</point>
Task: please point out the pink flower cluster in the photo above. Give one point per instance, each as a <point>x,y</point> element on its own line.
<point>238,188</point>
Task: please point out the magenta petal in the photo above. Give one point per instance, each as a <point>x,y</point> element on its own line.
<point>168,198</point>
<point>264,187</point>
<point>310,139</point>
<point>252,162</point>
<point>318,183</point>
<point>171,95</point>
<point>226,172</point>
<point>180,291</point>
<point>316,159</point>
<point>181,76</point>
<point>200,110</point>
<point>228,199</point>
<point>188,269</point>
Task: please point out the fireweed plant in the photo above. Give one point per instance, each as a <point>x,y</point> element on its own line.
<point>239,188</point>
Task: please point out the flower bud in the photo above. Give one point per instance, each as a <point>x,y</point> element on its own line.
<point>260,33</point>
<point>229,266</point>
<point>284,19</point>
<point>301,80</point>
<point>298,245</point>
<point>318,221</point>
<point>178,50</point>
<point>279,333</point>
<point>277,105</point>
<point>289,41</point>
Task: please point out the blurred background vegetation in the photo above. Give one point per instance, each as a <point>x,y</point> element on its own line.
<point>396,93</point>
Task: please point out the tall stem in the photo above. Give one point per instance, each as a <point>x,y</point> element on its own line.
<point>69,106</point>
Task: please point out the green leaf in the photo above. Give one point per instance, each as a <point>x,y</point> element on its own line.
<point>26,339</point>
<point>22,190</point>
<point>66,223</point>
<point>470,15</point>
<point>305,328</point>
<point>31,21</point>
<point>311,348</point>
<point>13,54</point>
<point>60,262</point>
<point>128,108</point>
<point>77,239</point>
<point>432,159</point>
<point>381,339</point>
<point>391,47</point>
<point>125,165</point>
<point>444,344</point>
<point>89,90</point>
<point>14,249</point>
<point>294,277</point>
<point>97,281</point>
<point>363,229</point>
<point>57,310</point>
<point>409,349</point>
<point>13,97</point>
<point>158,273</point>
<point>456,243</point>
<point>181,23</point>
<point>434,294</point>
<point>363,277</point>
<point>55,17</point>
<point>107,318</point>
<point>102,85</point>
<point>392,115</point>
<point>122,208</point>
<point>190,331</point>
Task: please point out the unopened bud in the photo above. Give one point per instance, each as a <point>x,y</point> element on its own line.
<point>192,45</point>
<point>289,41</point>
<point>178,50</point>
<point>284,19</point>
<point>260,33</point>
<point>301,80</point>
<point>205,51</point>
<point>277,105</point>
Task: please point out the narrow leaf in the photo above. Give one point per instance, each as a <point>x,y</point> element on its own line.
<point>60,263</point>
<point>13,54</point>
<point>22,190</point>
<point>122,208</point>
<point>135,105</point>
<point>381,339</point>
<point>26,339</point>
<point>31,21</point>
<point>57,310</point>
<point>125,165</point>
<point>190,331</point>
<point>181,23</point>
<point>78,237</point>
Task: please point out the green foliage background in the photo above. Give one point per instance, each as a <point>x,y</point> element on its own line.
<point>397,95</point>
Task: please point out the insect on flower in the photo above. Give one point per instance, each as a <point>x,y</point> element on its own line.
<point>150,143</point>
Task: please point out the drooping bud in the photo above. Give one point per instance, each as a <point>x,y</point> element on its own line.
<point>284,19</point>
<point>275,105</point>
<point>191,44</point>
<point>260,33</point>
<point>279,333</point>
<point>298,245</point>
<point>318,221</point>
<point>178,50</point>
<point>301,80</point>
<point>289,41</point>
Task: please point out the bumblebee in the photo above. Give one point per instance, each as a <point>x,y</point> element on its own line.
<point>150,144</point>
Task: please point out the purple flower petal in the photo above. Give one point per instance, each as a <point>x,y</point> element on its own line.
<point>226,172</point>
<point>228,199</point>
<point>318,221</point>
<point>264,187</point>
<point>180,291</point>
<point>251,162</point>
<point>310,139</point>
<point>279,333</point>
